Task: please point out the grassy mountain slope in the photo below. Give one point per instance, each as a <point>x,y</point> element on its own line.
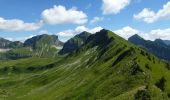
<point>38,46</point>
<point>37,42</point>
<point>106,67</point>
<point>44,45</point>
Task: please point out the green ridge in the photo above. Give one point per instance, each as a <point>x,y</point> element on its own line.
<point>105,67</point>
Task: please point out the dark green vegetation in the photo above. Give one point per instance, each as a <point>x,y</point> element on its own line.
<point>160,48</point>
<point>74,43</point>
<point>105,67</point>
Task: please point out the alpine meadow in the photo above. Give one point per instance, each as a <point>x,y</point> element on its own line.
<point>84,50</point>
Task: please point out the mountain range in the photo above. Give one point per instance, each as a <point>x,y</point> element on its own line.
<point>42,44</point>
<point>39,46</point>
<point>160,48</point>
<point>167,42</point>
<point>4,43</point>
<point>102,66</point>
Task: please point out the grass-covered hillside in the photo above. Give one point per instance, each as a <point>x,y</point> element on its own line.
<point>37,46</point>
<point>44,45</point>
<point>105,67</point>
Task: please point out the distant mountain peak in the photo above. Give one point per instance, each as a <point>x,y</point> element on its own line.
<point>136,39</point>
<point>44,45</point>
<point>104,30</point>
<point>75,42</point>
<point>167,42</point>
<point>136,36</point>
<point>160,41</point>
<point>157,47</point>
<point>44,39</point>
<point>83,34</point>
<point>4,43</point>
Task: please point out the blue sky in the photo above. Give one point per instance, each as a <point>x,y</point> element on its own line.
<point>21,19</point>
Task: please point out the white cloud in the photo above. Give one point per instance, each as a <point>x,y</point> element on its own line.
<point>96,19</point>
<point>160,33</point>
<point>67,34</point>
<point>14,25</point>
<point>114,6</point>
<point>77,30</point>
<point>150,16</point>
<point>128,31</point>
<point>94,30</point>
<point>61,15</point>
